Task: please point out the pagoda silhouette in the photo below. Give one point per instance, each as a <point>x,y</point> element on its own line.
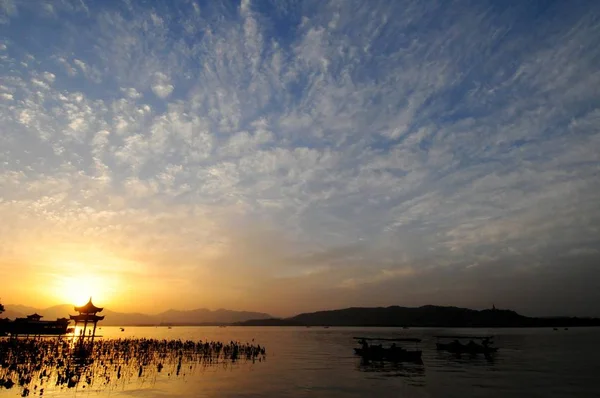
<point>87,316</point>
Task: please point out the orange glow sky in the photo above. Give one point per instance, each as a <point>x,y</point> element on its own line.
<point>287,159</point>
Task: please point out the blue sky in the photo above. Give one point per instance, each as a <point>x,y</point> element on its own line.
<point>290,156</point>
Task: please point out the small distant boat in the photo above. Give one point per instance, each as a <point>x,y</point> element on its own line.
<point>404,327</point>
<point>566,328</point>
<point>122,329</point>
<point>456,347</point>
<point>325,327</point>
<point>555,329</point>
<point>393,353</point>
<point>170,327</point>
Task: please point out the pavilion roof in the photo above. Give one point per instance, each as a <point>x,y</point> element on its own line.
<point>88,308</point>
<point>34,316</point>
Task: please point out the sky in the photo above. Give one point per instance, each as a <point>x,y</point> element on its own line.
<point>290,156</point>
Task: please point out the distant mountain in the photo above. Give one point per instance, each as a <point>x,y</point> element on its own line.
<point>269,322</point>
<point>199,316</point>
<point>426,316</point>
<point>15,311</point>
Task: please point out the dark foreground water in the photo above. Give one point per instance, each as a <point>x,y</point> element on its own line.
<point>320,362</point>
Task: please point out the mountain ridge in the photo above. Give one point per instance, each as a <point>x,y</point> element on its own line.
<point>424,316</point>
<point>198,316</point>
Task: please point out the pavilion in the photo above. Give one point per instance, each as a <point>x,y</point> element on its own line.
<point>87,316</point>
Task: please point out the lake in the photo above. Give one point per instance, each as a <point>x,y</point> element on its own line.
<point>319,362</point>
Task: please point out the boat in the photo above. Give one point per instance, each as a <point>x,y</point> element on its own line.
<point>122,329</point>
<point>392,353</point>
<point>456,347</point>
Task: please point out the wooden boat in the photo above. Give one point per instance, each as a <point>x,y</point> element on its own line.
<point>393,353</point>
<point>456,347</point>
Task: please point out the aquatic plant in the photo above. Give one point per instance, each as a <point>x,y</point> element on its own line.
<point>37,365</point>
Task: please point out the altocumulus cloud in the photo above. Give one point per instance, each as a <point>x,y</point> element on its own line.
<point>324,153</point>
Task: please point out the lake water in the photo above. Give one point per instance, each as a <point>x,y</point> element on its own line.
<point>303,362</point>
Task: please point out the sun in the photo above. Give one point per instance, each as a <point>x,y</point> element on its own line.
<point>78,289</point>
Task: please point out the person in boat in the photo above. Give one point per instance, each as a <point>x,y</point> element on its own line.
<point>364,344</point>
<point>473,345</point>
<point>377,348</point>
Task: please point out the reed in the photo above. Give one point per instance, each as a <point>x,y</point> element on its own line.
<point>37,365</point>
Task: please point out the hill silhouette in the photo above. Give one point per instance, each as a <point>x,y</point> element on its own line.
<point>200,316</point>
<point>425,316</point>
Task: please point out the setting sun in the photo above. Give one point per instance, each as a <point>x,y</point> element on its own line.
<point>78,289</point>
<point>82,288</point>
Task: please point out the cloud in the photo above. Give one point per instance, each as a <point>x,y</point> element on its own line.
<point>382,276</point>
<point>161,86</point>
<point>346,152</point>
<point>8,9</point>
<point>41,84</point>
<point>70,70</point>
<point>88,71</point>
<point>50,77</point>
<point>81,65</point>
<point>131,93</point>
<point>582,251</point>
